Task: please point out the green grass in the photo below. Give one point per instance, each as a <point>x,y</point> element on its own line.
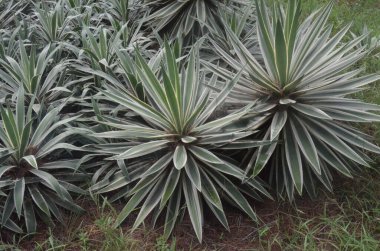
<point>349,219</point>
<point>359,12</point>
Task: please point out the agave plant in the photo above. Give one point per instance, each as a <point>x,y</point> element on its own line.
<point>33,73</point>
<point>175,147</point>
<point>54,24</point>
<point>35,179</point>
<point>9,43</point>
<point>9,10</point>
<point>302,90</point>
<point>100,53</point>
<point>119,11</point>
<point>101,48</point>
<point>83,13</point>
<point>243,25</point>
<point>181,18</point>
<point>10,28</point>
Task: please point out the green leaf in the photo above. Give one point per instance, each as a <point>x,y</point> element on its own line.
<point>332,159</point>
<point>188,139</point>
<point>10,127</point>
<point>293,159</point>
<point>180,156</point>
<point>124,169</point>
<point>193,206</point>
<point>7,209</point>
<point>219,213</point>
<point>190,86</point>
<point>305,143</point>
<point>151,83</point>
<point>39,199</point>
<point>204,155</point>
<point>323,133</point>
<point>11,225</point>
<point>172,211</point>
<point>311,111</point>
<point>18,195</point>
<point>20,110</point>
<point>233,192</point>
<point>278,122</point>
<point>353,138</point>
<point>151,201</point>
<point>50,180</point>
<point>159,165</point>
<point>229,169</point>
<point>170,186</point>
<point>192,171</point>
<point>132,204</point>
<point>264,153</point>
<point>173,71</point>
<point>219,123</point>
<point>219,99</point>
<point>25,138</point>
<point>142,149</point>
<point>265,36</point>
<point>30,218</point>
<point>173,102</point>
<point>209,191</point>
<point>281,55</point>
<point>31,159</point>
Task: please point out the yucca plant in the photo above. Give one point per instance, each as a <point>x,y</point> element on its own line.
<point>119,11</point>
<point>187,18</point>
<point>175,155</point>
<point>9,45</point>
<point>110,56</point>
<point>303,92</point>
<point>243,25</point>
<point>101,46</point>
<point>35,179</point>
<point>34,73</point>
<point>100,52</point>
<point>54,24</point>
<point>83,13</point>
<point>11,28</point>
<point>8,11</point>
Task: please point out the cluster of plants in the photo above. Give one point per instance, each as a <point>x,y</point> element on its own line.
<point>174,108</point>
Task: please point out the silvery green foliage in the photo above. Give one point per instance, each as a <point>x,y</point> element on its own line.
<point>34,183</point>
<point>171,153</point>
<point>303,90</point>
<point>154,122</point>
<point>32,72</point>
<point>188,18</point>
